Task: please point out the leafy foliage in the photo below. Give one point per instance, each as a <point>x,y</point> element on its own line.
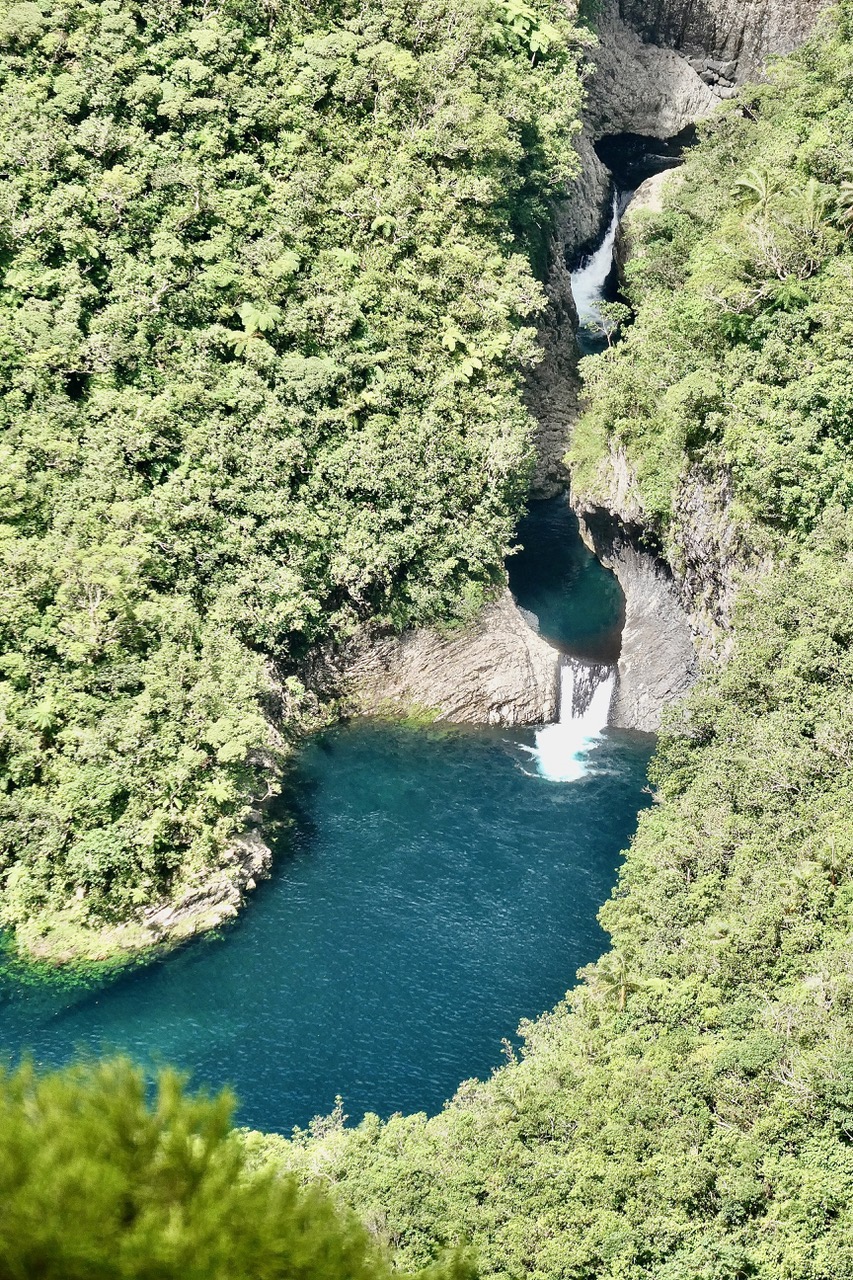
<point>233,241</point>
<point>688,1111</point>
<point>96,1180</point>
<point>738,359</point>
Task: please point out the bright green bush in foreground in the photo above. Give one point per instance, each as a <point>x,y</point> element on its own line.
<point>98,1181</point>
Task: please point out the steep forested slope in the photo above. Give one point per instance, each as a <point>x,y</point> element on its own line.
<point>267,303</point>
<point>689,1111</point>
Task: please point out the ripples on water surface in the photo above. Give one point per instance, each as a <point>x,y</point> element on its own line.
<point>433,892</point>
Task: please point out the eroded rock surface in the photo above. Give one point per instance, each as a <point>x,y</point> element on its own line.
<point>727,41</point>
<point>216,896</point>
<point>498,671</point>
<point>641,87</point>
<point>658,663</point>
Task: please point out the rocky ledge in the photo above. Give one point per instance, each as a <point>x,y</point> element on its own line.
<point>208,900</point>
<point>726,41</point>
<point>658,662</point>
<point>497,671</point>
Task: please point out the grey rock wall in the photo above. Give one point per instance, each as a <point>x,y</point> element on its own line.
<point>727,41</point>
<point>499,671</point>
<point>658,662</point>
<point>641,87</point>
<point>553,387</point>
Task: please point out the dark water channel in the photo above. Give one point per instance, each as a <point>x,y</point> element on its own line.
<point>578,606</point>
<point>434,888</point>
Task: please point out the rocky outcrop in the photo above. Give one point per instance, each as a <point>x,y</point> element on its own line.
<point>207,900</point>
<point>215,896</point>
<point>658,662</point>
<point>711,555</point>
<point>497,671</point>
<point>647,199</point>
<point>726,41</point>
<point>640,87</point>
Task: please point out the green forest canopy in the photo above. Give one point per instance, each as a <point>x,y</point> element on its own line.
<point>687,1112</point>
<point>100,1181</point>
<point>267,305</point>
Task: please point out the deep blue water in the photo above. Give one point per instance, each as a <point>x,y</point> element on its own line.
<point>433,892</point>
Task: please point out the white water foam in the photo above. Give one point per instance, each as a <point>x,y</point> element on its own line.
<point>589,279</point>
<point>586,692</point>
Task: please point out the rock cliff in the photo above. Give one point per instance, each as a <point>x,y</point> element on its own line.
<point>658,662</point>
<point>639,86</point>
<point>726,41</point>
<point>659,66</point>
<point>497,671</point>
<point>647,199</point>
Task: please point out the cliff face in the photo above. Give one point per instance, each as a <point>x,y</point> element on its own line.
<point>658,662</point>
<point>659,66</point>
<point>498,671</point>
<point>739,34</point>
<point>639,86</point>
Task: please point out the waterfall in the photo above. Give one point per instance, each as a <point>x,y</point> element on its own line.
<point>589,279</point>
<point>586,692</point>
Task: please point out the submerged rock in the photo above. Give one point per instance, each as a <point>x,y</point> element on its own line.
<point>497,671</point>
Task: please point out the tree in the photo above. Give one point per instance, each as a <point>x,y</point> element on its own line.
<point>102,1178</point>
<point>756,188</point>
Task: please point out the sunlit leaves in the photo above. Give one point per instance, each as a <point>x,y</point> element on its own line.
<point>234,428</point>
<point>101,1174</point>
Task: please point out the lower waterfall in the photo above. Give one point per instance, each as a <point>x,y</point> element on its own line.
<point>586,692</point>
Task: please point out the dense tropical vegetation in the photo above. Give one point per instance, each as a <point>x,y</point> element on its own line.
<point>268,299</point>
<point>100,1180</point>
<point>688,1111</point>
<point>266,307</point>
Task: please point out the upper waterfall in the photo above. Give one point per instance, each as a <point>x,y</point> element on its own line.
<point>589,279</point>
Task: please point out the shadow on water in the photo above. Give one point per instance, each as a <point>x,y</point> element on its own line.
<point>578,605</point>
